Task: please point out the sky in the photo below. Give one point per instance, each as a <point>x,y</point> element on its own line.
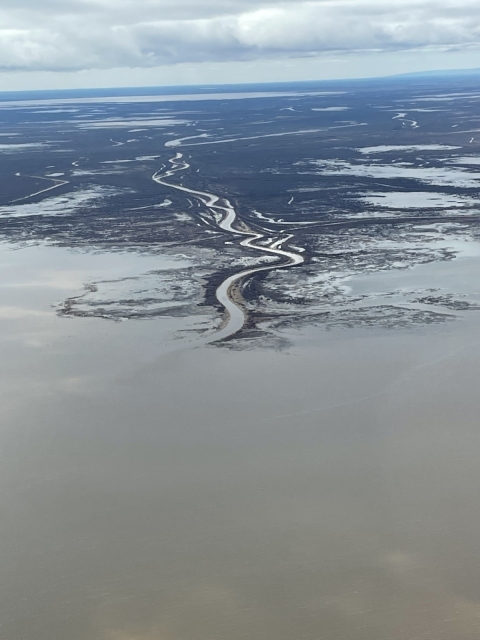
<point>55,44</point>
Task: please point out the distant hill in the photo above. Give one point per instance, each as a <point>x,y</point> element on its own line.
<point>440,72</point>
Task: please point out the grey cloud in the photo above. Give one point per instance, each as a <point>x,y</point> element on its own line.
<point>101,34</point>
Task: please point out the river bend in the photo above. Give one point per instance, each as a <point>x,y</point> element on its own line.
<point>225,215</point>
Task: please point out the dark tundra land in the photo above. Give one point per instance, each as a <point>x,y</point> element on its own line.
<point>348,179</point>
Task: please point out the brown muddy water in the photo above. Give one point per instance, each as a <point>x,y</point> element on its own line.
<point>152,489</point>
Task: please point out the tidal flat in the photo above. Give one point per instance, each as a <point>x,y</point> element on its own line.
<point>315,474</point>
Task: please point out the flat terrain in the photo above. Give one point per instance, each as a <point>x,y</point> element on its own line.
<point>240,354</point>
<point>349,180</point>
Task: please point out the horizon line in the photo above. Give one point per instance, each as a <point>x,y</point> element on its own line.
<point>433,73</point>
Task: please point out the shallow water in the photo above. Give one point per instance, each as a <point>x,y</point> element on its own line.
<point>156,489</point>
<point>416,200</point>
<point>459,275</point>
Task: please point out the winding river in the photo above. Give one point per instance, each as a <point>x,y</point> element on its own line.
<point>226,216</point>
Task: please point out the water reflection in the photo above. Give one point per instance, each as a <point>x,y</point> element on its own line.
<point>153,491</point>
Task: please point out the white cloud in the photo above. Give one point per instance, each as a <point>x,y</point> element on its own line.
<point>102,34</point>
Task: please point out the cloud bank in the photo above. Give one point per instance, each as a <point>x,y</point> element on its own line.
<point>71,35</point>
